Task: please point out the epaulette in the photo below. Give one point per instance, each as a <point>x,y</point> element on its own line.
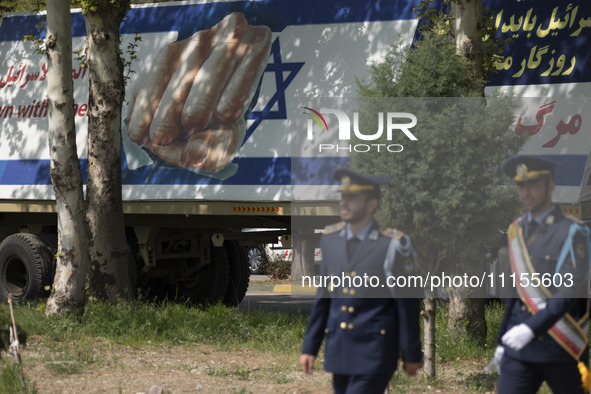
<point>391,232</point>
<point>574,218</point>
<point>333,228</point>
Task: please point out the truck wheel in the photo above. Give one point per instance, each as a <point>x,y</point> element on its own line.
<point>25,267</point>
<point>212,281</point>
<point>239,273</point>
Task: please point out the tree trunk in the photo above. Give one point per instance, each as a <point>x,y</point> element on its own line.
<point>109,260</point>
<point>302,263</point>
<point>429,335</point>
<point>72,260</point>
<point>467,29</point>
<point>466,317</point>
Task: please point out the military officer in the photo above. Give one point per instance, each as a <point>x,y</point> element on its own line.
<point>365,327</point>
<point>543,334</point>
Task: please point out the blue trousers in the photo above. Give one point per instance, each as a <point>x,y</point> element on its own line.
<point>520,377</point>
<point>360,384</point>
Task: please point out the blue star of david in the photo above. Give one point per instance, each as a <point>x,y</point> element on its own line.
<point>278,68</point>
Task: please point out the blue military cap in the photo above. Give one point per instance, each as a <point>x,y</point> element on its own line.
<point>353,182</point>
<point>527,168</point>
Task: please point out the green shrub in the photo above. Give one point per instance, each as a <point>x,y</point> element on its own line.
<point>278,268</point>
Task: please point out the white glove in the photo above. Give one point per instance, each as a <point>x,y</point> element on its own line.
<point>495,364</point>
<point>517,337</point>
<point>499,351</point>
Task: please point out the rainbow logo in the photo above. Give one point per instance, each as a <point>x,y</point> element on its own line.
<point>315,116</point>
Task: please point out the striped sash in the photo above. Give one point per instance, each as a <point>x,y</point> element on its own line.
<point>568,333</point>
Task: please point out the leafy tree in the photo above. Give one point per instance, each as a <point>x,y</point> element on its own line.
<point>6,6</point>
<point>448,192</point>
<point>21,5</point>
<point>474,32</point>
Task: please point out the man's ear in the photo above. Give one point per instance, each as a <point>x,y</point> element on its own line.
<point>372,204</point>
<point>551,185</point>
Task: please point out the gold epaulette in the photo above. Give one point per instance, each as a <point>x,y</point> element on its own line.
<point>574,218</point>
<point>391,232</point>
<point>333,228</point>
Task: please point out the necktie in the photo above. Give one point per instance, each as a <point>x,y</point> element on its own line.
<point>352,245</point>
<point>531,228</point>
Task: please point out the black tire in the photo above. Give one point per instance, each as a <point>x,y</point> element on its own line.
<point>132,272</point>
<point>51,243</point>
<point>212,280</point>
<point>256,258</point>
<point>239,274</point>
<point>25,267</point>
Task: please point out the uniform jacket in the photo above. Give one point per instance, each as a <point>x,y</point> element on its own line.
<point>544,246</point>
<point>364,328</point>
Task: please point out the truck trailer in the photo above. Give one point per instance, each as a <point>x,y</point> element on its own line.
<point>191,185</point>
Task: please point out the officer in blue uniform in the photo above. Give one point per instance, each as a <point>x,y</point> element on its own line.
<point>364,326</point>
<point>543,334</point>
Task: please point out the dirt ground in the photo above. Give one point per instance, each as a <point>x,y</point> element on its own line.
<point>202,369</point>
<point>179,369</point>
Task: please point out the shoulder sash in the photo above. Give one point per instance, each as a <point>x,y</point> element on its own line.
<point>568,333</point>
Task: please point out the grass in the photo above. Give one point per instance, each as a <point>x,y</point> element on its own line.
<point>455,351</point>
<point>9,379</point>
<point>66,358</point>
<point>241,372</point>
<point>451,347</point>
<point>138,324</point>
<point>69,341</point>
<point>72,340</point>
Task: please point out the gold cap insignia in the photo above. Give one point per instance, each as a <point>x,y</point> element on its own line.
<point>522,173</point>
<point>347,186</point>
<point>527,168</point>
<point>521,170</point>
<point>345,181</point>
